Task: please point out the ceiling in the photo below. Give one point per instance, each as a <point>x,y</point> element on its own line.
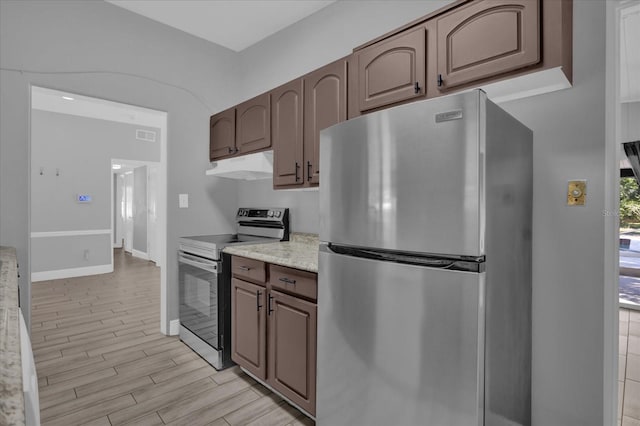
<point>85,106</point>
<point>233,24</point>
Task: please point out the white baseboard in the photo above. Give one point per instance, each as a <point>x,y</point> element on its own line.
<point>117,245</point>
<point>70,273</point>
<point>174,327</point>
<point>139,254</point>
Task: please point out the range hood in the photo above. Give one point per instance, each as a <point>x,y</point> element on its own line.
<point>254,166</point>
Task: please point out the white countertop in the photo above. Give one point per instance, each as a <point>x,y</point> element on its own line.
<point>301,252</point>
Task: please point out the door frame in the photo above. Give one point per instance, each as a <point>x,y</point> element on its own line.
<point>127,167</point>
<point>155,118</point>
<point>611,210</point>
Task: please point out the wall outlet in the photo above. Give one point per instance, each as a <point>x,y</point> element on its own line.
<point>183,201</point>
<point>86,254</point>
<point>576,192</point>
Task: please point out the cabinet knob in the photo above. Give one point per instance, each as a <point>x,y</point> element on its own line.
<point>416,88</point>
<point>440,81</point>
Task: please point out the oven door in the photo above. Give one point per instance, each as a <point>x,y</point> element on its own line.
<point>198,295</point>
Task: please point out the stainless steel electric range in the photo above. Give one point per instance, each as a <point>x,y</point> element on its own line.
<point>204,280</point>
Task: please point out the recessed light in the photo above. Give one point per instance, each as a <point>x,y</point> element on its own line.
<point>67,98</point>
<point>116,167</point>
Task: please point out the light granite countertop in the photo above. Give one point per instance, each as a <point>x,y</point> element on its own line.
<point>11,390</point>
<point>301,252</point>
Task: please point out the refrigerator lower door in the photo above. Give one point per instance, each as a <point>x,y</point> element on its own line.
<point>398,344</point>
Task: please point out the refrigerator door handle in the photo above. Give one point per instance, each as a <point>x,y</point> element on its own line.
<point>472,264</point>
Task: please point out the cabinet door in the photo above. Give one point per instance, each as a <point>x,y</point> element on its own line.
<point>253,124</point>
<point>222,134</point>
<point>286,126</point>
<point>392,70</point>
<point>486,38</point>
<point>248,327</point>
<point>325,104</point>
<point>292,349</point>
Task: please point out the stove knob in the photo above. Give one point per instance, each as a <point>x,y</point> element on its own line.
<point>277,214</point>
<point>270,213</point>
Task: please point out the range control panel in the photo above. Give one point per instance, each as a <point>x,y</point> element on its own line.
<point>276,214</point>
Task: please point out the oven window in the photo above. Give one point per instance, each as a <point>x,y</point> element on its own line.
<point>197,294</point>
<point>199,302</point>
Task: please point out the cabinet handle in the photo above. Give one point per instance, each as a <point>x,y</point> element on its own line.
<point>308,170</point>
<point>297,168</point>
<point>231,150</point>
<point>244,268</point>
<point>258,305</point>
<point>288,281</point>
<point>269,310</point>
<point>416,88</point>
<point>440,81</point>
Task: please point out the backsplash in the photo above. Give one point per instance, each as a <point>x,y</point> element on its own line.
<point>303,206</point>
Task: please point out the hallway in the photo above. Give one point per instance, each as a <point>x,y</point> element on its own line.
<point>101,359</point>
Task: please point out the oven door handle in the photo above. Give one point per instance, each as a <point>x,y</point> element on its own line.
<point>207,265</point>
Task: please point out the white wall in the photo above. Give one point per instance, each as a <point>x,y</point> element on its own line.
<point>97,49</point>
<point>72,155</point>
<point>303,205</point>
<point>568,253</point>
<point>140,209</point>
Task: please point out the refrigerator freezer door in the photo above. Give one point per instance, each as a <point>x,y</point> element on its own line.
<point>409,178</point>
<point>398,344</point>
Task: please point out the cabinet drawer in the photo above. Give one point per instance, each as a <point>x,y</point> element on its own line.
<point>294,281</point>
<point>249,269</point>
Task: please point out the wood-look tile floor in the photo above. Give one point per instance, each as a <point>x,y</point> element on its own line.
<point>101,360</point>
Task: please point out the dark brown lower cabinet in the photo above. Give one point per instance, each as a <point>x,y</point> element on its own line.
<point>274,328</point>
<point>292,349</point>
<point>248,327</point>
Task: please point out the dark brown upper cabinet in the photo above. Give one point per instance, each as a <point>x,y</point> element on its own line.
<point>253,125</point>
<point>286,126</point>
<point>222,135</point>
<point>485,39</point>
<point>240,130</point>
<point>325,104</point>
<point>392,70</point>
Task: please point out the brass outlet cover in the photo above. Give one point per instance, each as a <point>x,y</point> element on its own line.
<point>576,192</point>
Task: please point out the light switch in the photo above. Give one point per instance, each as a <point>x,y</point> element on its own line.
<point>576,192</point>
<point>183,201</point>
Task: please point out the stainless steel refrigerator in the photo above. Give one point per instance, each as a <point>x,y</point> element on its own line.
<point>424,295</point>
